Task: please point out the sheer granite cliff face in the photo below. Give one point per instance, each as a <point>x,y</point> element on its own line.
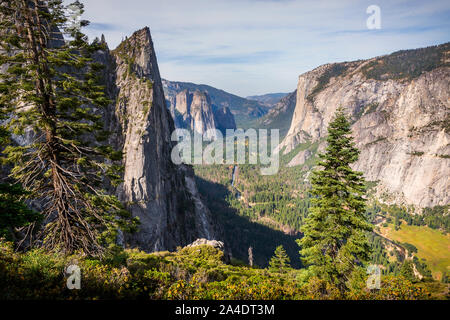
<point>163,195</point>
<point>226,107</point>
<point>195,112</point>
<point>400,124</point>
<point>224,119</point>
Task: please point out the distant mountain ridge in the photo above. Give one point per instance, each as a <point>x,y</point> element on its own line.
<point>244,110</point>
<point>269,99</point>
<point>279,116</point>
<point>194,111</point>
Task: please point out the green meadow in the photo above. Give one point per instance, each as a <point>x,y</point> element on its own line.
<point>432,245</point>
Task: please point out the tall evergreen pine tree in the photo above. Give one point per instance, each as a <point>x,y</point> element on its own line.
<point>280,261</point>
<point>51,91</point>
<point>334,239</point>
<point>407,270</point>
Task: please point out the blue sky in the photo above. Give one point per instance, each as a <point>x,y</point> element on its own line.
<point>250,47</point>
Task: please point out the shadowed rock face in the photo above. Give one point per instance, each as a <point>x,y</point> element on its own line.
<point>280,115</point>
<point>183,102</point>
<point>163,195</point>
<point>400,124</point>
<point>224,119</point>
<point>284,107</point>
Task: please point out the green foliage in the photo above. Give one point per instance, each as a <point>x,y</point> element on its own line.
<point>334,241</point>
<point>411,248</point>
<point>279,117</point>
<point>422,267</point>
<point>190,273</point>
<point>392,288</point>
<point>407,271</point>
<point>145,108</point>
<point>280,261</point>
<point>267,205</point>
<point>14,213</point>
<point>52,87</point>
<point>407,64</point>
<point>376,141</point>
<point>236,217</point>
<point>416,153</point>
<point>380,255</point>
<point>334,70</point>
<point>436,217</point>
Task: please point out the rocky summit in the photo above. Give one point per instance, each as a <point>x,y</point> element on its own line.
<point>400,110</point>
<point>164,196</point>
<point>230,110</point>
<point>193,109</point>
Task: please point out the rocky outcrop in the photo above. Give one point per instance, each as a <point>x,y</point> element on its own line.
<point>202,242</point>
<point>400,110</point>
<point>219,245</point>
<point>161,194</point>
<point>283,108</point>
<point>242,109</point>
<point>194,112</point>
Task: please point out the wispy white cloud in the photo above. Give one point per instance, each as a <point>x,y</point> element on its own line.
<point>257,46</point>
